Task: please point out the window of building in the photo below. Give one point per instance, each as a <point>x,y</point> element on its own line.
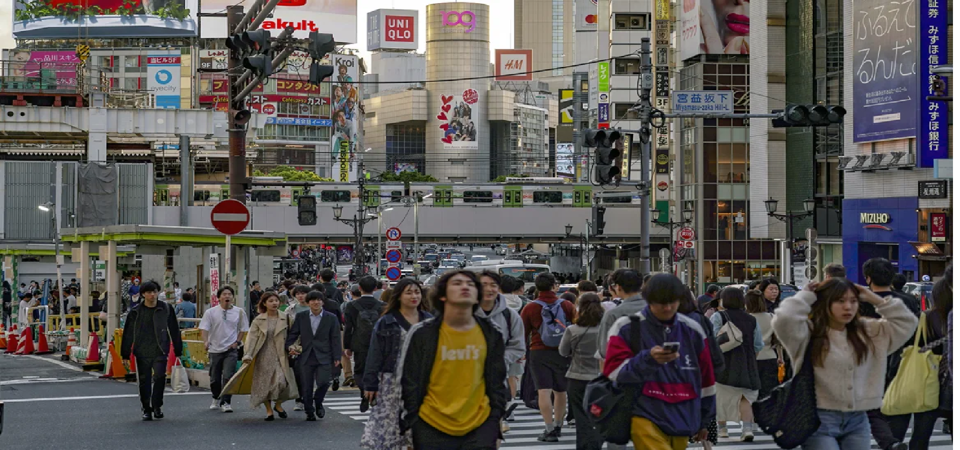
<point>631,21</point>
<point>621,111</point>
<point>547,197</point>
<point>626,66</point>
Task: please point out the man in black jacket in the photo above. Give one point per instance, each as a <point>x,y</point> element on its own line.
<point>319,334</point>
<point>452,370</point>
<point>360,316</point>
<point>147,333</point>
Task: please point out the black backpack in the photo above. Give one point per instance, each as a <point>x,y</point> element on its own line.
<point>365,322</point>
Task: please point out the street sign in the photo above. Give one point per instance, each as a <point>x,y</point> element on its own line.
<point>688,244</point>
<point>686,234</point>
<point>394,245</point>
<point>394,256</point>
<point>393,273</point>
<point>720,102</point>
<point>230,217</point>
<point>393,234</point>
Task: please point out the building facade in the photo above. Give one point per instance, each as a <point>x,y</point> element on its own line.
<point>546,27</point>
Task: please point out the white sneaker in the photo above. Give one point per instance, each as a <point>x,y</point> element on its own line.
<point>226,408</point>
<point>215,404</point>
<point>298,406</point>
<point>746,436</point>
<point>722,432</point>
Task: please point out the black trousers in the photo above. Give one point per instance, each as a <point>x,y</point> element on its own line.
<point>359,364</point>
<point>484,437</point>
<point>588,438</point>
<point>923,424</point>
<point>313,373</point>
<point>767,369</point>
<point>151,379</point>
<point>222,367</point>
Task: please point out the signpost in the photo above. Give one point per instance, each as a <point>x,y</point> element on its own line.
<point>393,273</point>
<point>394,256</point>
<point>229,217</point>
<point>686,234</point>
<point>393,234</point>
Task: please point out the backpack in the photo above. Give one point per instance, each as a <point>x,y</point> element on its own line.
<point>554,322</point>
<point>509,319</point>
<point>365,322</point>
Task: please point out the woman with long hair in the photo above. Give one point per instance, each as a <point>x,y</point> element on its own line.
<point>848,352</point>
<point>768,361</point>
<point>580,342</point>
<point>738,386</point>
<point>404,309</point>
<point>265,343</point>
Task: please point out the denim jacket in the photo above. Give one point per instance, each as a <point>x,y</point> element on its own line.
<point>384,349</point>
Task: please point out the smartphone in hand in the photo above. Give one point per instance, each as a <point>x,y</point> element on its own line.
<point>671,347</point>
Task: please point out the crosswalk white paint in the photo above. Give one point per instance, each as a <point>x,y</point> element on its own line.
<point>528,425</point>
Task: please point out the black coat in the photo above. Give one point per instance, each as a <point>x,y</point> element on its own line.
<point>385,349</point>
<point>325,341</point>
<point>164,324</point>
<point>418,354</point>
<point>741,363</point>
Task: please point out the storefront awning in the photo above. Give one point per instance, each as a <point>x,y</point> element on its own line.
<point>928,251</point>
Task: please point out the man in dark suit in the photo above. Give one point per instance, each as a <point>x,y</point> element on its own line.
<point>319,334</point>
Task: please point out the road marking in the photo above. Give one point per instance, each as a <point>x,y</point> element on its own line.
<point>61,364</point>
<point>96,397</point>
<point>41,381</point>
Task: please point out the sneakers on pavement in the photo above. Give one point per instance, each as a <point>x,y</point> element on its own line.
<point>298,406</point>
<point>722,432</point>
<point>504,427</point>
<point>215,404</point>
<point>226,408</point>
<point>557,431</point>
<point>547,436</point>
<point>364,405</point>
<point>746,436</point>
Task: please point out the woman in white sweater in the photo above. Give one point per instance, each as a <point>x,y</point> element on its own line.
<point>849,355</point>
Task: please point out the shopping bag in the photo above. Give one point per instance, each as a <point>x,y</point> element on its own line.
<point>916,388</point>
<point>179,381</point>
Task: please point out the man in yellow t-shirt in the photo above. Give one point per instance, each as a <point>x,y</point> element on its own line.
<point>452,372</point>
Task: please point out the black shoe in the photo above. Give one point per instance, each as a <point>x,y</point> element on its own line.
<point>157,413</point>
<point>899,446</point>
<point>336,384</point>
<point>556,432</point>
<point>282,414</point>
<point>147,416</point>
<point>547,436</point>
<point>321,412</point>
<point>364,405</point>
<point>269,418</point>
<point>311,418</point>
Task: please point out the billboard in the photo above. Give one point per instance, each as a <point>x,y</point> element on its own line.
<point>394,29</point>
<point>706,27</point>
<point>32,65</point>
<point>337,17</point>
<point>163,78</point>
<point>456,120</point>
<point>586,15</point>
<point>513,64</point>
<point>885,80</point>
<point>64,19</point>
<point>566,164</point>
<point>345,99</point>
<point>566,106</point>
<point>932,142</point>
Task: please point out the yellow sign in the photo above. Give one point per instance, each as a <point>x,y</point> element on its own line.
<point>344,161</point>
<point>625,166</point>
<point>566,106</point>
<point>83,52</point>
<point>663,9</point>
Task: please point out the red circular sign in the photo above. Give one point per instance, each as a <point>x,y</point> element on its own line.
<point>686,234</point>
<point>393,234</point>
<point>662,185</point>
<point>268,109</point>
<point>230,216</point>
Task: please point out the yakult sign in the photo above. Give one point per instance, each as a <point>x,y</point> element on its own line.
<point>454,18</point>
<point>392,29</point>
<point>338,17</point>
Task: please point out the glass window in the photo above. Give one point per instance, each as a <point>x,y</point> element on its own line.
<point>709,163</point>
<point>335,196</point>
<point>131,84</point>
<point>622,111</point>
<point>478,197</point>
<point>622,66</point>
<point>265,196</point>
<point>548,197</point>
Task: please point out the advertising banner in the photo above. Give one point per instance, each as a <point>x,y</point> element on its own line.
<point>26,65</point>
<point>163,78</point>
<point>65,19</point>
<point>393,29</point>
<point>214,264</point>
<point>337,17</point>
<point>566,165</point>
<point>662,174</point>
<point>343,112</point>
<point>456,120</point>
<point>513,64</point>
<point>932,142</point>
<point>885,80</point>
<point>213,59</point>
<point>625,158</point>
<point>401,167</point>
<point>586,15</point>
<point>708,28</point>
<point>938,227</point>
<point>566,106</point>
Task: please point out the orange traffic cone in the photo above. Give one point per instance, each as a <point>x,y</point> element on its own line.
<point>115,367</point>
<point>42,347</point>
<point>71,341</point>
<point>3,337</point>
<point>12,340</point>
<point>93,350</point>
<point>26,342</point>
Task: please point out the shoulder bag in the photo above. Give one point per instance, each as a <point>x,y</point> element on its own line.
<point>916,388</point>
<point>729,337</point>
<point>611,406</point>
<point>789,414</point>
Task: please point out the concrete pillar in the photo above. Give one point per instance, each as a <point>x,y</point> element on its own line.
<point>97,142</point>
<point>109,254</point>
<point>240,280</point>
<point>84,299</point>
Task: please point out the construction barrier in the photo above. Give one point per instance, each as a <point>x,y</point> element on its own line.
<point>73,321</point>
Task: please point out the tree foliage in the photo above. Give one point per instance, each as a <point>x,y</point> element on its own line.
<point>412,177</point>
<point>290,174</point>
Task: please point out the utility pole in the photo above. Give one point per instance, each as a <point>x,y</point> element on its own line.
<point>646,141</point>
<point>237,131</point>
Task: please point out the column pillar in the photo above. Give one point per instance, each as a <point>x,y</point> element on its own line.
<point>84,298</point>
<point>109,253</point>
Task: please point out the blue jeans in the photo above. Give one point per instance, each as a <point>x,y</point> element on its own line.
<point>840,431</point>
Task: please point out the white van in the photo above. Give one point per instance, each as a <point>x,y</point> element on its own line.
<point>514,268</point>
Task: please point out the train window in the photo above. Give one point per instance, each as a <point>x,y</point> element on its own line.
<point>619,199</point>
<point>265,196</point>
<point>548,197</point>
<point>201,196</point>
<point>395,196</point>
<point>478,197</point>
<point>335,196</point>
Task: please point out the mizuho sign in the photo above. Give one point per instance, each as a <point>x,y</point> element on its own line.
<point>874,218</point>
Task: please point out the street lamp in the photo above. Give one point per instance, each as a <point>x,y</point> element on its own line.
<point>687,216</point>
<point>50,207</point>
<point>789,217</point>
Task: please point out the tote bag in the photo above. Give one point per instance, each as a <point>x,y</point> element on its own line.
<point>179,381</point>
<point>789,414</point>
<point>916,388</point>
<point>729,336</point>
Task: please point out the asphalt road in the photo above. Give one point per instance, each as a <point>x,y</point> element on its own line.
<point>50,405</point>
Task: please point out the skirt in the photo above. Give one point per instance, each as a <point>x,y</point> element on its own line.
<point>728,401</point>
<point>382,431</point>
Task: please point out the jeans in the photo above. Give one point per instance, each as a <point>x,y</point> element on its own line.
<point>840,431</point>
<point>588,438</point>
<point>151,371</point>
<point>222,367</point>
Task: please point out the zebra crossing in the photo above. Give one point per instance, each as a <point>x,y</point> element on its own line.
<point>528,425</point>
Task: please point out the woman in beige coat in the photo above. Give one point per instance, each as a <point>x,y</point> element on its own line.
<point>265,373</point>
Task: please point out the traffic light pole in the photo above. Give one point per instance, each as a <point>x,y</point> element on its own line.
<point>237,132</point>
<point>646,141</point>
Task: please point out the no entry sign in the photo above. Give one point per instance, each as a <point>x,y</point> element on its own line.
<point>393,256</point>
<point>393,234</point>
<point>393,273</point>
<point>230,217</point>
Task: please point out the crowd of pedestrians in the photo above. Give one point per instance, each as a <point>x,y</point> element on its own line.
<point>637,358</point>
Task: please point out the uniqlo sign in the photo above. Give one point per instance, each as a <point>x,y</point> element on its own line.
<point>394,29</point>
<point>398,29</point>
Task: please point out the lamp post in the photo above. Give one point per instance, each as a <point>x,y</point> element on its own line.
<point>50,207</point>
<point>416,225</point>
<point>584,239</point>
<point>788,218</point>
<point>687,218</point>
<point>357,224</point>
<point>379,216</point>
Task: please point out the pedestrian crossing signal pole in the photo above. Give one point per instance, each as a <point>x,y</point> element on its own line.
<point>238,115</point>
<point>646,132</point>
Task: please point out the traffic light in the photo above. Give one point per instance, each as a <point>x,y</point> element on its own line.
<point>598,222</point>
<point>257,41</point>
<point>259,55</point>
<point>811,256</point>
<point>605,164</point>
<point>307,210</point>
<point>809,116</point>
<point>319,45</point>
<point>235,44</point>
<point>319,72</point>
<point>261,65</point>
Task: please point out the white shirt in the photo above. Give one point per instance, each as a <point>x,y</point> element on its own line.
<point>23,317</point>
<point>71,302</point>
<point>223,333</point>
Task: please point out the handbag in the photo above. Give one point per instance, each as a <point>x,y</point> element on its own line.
<point>916,387</point>
<point>789,413</point>
<point>729,337</point>
<point>179,381</point>
<point>611,406</point>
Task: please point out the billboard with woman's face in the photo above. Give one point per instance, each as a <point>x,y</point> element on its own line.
<point>714,27</point>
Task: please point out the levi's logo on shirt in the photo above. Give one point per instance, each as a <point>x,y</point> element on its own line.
<point>470,353</point>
